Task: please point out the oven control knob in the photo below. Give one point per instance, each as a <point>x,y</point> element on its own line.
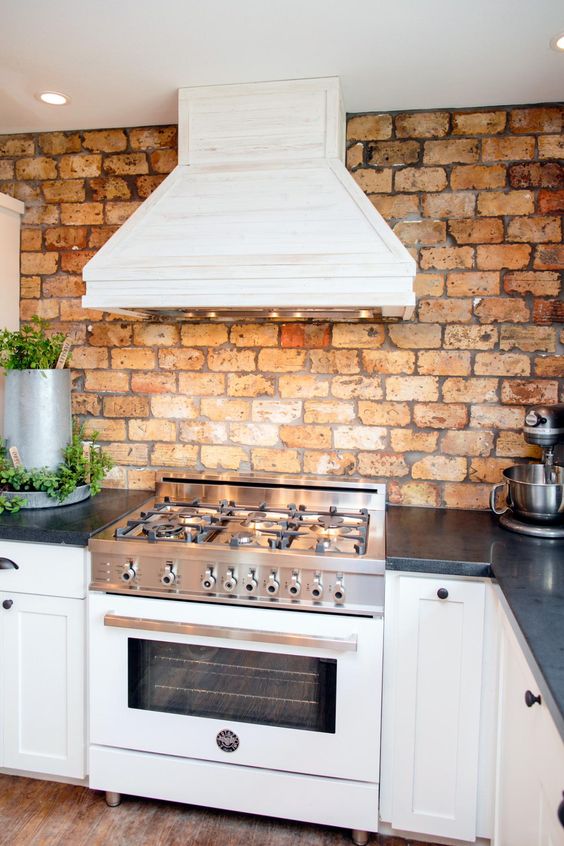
<point>208,581</point>
<point>169,576</point>
<point>294,587</point>
<point>339,592</point>
<point>272,585</point>
<point>129,572</point>
<point>230,582</point>
<point>250,582</point>
<point>317,586</point>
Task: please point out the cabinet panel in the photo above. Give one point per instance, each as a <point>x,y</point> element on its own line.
<point>43,684</point>
<point>437,707</point>
<point>530,777</point>
<point>48,569</point>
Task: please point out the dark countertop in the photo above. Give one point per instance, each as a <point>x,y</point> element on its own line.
<point>528,571</point>
<point>70,524</point>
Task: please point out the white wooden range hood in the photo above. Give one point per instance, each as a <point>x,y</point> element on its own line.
<point>260,217</point>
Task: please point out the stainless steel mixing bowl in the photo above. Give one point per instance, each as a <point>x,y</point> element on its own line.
<point>530,496</point>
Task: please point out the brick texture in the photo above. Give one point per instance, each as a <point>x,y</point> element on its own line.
<point>433,407</point>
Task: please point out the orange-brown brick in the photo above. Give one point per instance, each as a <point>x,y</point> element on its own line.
<point>501,364</point>
<point>506,202</point>
<point>550,365</point>
<point>438,415</point>
<point>335,361</point>
<point>538,283</point>
<point>501,310</point>
<point>466,177</point>
<point>248,385</point>
<point>527,338</point>
<point>396,206</point>
<point>331,463</point>
<point>148,137</point>
<point>485,230</point>
<point>472,284</point>
<point>126,164</point>
<point>373,180</point>
<point>254,335</point>
<point>279,361</point>
<point>355,156</point>
<point>507,149</point>
<point>302,386</point>
<point>451,204</point>
<point>444,363</point>
<point>447,258</point>
<point>458,495</point>
<point>454,151</point>
<point>536,119</point>
<point>550,202</point>
<point>405,440</point>
<point>63,191</point>
<point>40,167</point>
<point>549,257</point>
<point>105,140</point>
<point>421,231</point>
<point>536,229</point>
<point>275,460</point>
<point>422,125</point>
<point>355,335</point>
<point>412,387</point>
<point>429,284</point>
<point>420,179</point>
<point>440,467</point>
<point>415,336</point>
<point>528,392</point>
<point>511,256</point>
<point>204,334</point>
<point>467,443</point>
<point>470,390</point>
<point>76,166</point>
<point>449,310</point>
<point>384,413</point>
<point>389,361</point>
<point>369,127</point>
<point>311,437</point>
<point>478,123</point>
<point>126,406</point>
<point>227,457</point>
<point>487,469</point>
<point>394,153</point>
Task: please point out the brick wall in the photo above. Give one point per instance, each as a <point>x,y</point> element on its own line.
<point>433,406</point>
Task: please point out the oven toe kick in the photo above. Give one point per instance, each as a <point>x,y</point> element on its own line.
<point>252,790</point>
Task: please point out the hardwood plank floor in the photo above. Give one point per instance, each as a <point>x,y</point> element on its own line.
<point>45,813</point>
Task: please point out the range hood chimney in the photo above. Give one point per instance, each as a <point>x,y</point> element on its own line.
<point>259,218</point>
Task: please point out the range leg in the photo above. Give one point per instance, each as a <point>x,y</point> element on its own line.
<point>114,799</point>
<point>359,838</point>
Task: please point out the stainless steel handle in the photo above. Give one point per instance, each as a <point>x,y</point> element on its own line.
<point>493,496</point>
<point>335,644</point>
<point>8,564</point>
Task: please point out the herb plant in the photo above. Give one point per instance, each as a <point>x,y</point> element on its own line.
<point>30,348</point>
<point>79,467</point>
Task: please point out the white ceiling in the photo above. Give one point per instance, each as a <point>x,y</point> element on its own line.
<point>121,61</point>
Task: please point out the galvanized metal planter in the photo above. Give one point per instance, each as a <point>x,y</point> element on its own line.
<point>38,499</point>
<point>37,415</point>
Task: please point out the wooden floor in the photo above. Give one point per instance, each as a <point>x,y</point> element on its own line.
<point>44,813</point>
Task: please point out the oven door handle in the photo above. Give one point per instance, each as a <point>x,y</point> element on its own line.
<point>335,644</point>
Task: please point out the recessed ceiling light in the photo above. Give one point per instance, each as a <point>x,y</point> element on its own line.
<point>53,98</point>
<point>557,43</point>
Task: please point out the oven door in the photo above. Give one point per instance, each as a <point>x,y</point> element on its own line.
<point>284,690</point>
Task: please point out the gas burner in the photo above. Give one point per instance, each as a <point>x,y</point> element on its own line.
<point>187,514</point>
<point>242,539</point>
<point>256,517</point>
<point>332,531</point>
<point>330,521</point>
<point>164,530</point>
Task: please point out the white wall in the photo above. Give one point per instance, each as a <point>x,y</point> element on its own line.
<point>10,216</point>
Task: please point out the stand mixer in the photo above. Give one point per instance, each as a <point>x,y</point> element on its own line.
<point>535,492</point>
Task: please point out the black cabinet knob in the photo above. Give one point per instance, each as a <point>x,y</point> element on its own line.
<point>530,699</point>
<point>8,564</point>
<point>7,604</point>
<point>442,593</point>
<point>561,812</point>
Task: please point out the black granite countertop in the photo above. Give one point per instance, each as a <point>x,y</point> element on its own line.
<point>529,572</point>
<point>70,524</point>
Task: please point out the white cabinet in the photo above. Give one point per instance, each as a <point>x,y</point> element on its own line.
<point>42,658</point>
<point>530,766</point>
<point>11,211</point>
<point>433,659</point>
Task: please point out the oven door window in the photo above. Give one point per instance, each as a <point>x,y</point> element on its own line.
<point>290,691</point>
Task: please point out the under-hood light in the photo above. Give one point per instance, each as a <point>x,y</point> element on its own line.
<point>557,43</point>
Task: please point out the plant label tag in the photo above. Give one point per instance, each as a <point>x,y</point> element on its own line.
<point>62,360</point>
<point>15,456</point>
<point>86,448</point>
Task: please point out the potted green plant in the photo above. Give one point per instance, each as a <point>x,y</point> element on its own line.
<point>37,407</point>
<point>79,475</point>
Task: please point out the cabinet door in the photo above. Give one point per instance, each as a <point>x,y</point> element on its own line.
<point>437,706</point>
<point>530,775</point>
<point>43,696</point>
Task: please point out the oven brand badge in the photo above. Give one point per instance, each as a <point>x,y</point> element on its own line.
<point>227,740</point>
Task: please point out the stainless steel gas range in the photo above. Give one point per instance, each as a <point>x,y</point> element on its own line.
<point>236,648</point>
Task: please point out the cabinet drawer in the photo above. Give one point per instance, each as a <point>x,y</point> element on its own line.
<point>44,569</point>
